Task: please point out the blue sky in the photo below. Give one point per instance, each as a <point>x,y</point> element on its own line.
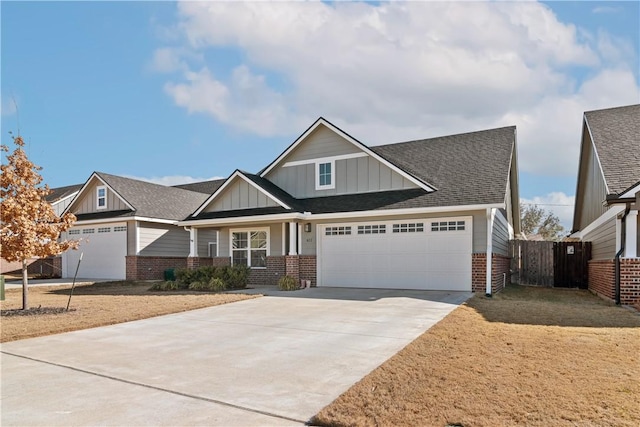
<point>176,92</point>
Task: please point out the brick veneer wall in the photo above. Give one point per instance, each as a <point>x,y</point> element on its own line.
<point>151,268</point>
<point>292,266</point>
<point>47,267</point>
<point>630,281</point>
<point>308,269</point>
<point>602,279</point>
<point>500,265</point>
<point>270,275</point>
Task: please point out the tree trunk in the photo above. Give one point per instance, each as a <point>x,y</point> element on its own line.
<point>25,285</point>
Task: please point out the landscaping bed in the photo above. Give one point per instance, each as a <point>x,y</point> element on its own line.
<point>528,356</point>
<point>98,304</point>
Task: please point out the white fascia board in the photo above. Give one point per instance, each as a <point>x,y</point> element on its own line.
<point>631,192</point>
<point>241,220</point>
<point>86,186</point>
<point>228,182</point>
<point>324,159</point>
<point>72,195</point>
<point>611,213</point>
<point>595,151</point>
<point>125,219</point>
<point>358,144</point>
<point>408,211</point>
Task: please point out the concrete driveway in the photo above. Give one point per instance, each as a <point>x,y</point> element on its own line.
<point>275,360</point>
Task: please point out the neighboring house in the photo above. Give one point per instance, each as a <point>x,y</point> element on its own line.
<point>127,228</point>
<point>607,201</point>
<point>429,214</point>
<point>59,198</point>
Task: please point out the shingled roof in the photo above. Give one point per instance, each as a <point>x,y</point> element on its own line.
<point>151,200</point>
<point>60,193</point>
<point>205,187</point>
<point>467,169</point>
<point>616,135</point>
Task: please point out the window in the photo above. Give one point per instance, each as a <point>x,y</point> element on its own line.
<point>447,226</point>
<point>120,228</point>
<point>104,229</point>
<point>372,229</point>
<point>71,232</point>
<point>213,249</point>
<point>102,197</point>
<point>337,231</point>
<point>325,176</point>
<point>88,231</point>
<point>249,248</point>
<point>417,227</point>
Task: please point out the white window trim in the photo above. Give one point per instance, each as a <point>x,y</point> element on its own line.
<point>217,246</point>
<point>333,175</point>
<point>98,188</point>
<point>249,230</point>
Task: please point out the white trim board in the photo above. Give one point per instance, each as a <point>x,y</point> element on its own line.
<point>324,159</point>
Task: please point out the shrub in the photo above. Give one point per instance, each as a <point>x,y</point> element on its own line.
<point>165,286</point>
<point>288,283</point>
<point>237,276</point>
<point>232,277</point>
<point>217,285</point>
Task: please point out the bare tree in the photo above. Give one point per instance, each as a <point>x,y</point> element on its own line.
<point>30,227</point>
<point>535,220</point>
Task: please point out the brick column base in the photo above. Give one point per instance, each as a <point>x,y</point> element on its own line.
<point>500,265</point>
<point>292,266</point>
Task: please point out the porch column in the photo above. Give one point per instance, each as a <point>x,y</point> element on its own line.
<point>193,242</point>
<point>293,238</point>
<point>631,236</point>
<point>491,215</point>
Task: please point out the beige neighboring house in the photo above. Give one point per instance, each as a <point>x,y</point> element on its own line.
<point>608,199</point>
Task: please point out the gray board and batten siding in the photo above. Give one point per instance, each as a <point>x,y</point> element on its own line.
<point>352,175</point>
<point>162,240</point>
<point>240,195</point>
<point>595,189</point>
<point>89,201</point>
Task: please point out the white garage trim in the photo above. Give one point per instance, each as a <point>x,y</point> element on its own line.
<point>427,253</point>
<point>104,249</point>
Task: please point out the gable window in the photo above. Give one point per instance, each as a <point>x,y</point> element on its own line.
<point>249,248</point>
<point>325,175</point>
<point>101,193</point>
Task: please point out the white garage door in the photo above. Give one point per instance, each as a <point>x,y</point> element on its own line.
<point>433,254</point>
<point>104,248</point>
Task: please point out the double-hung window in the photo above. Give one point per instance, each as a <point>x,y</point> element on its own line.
<point>101,197</point>
<point>249,248</point>
<point>325,175</point>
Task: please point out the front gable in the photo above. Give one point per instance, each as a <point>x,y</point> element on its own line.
<point>325,161</point>
<point>97,196</point>
<point>239,192</point>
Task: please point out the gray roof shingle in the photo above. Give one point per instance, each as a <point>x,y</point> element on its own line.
<point>467,169</point>
<point>154,200</point>
<point>616,136</point>
<point>62,192</point>
<point>205,187</point>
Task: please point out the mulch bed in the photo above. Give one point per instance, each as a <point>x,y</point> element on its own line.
<point>35,311</point>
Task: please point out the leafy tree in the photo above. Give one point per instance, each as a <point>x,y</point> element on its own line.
<point>30,227</point>
<point>535,220</point>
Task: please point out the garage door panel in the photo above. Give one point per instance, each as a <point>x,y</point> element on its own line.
<point>414,259</point>
<point>103,250</point>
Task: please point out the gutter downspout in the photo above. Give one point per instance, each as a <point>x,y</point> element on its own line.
<point>491,215</point>
<point>623,241</point>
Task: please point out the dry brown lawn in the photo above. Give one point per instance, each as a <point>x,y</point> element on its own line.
<point>99,304</point>
<point>527,357</point>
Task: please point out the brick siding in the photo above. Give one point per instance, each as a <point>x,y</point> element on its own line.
<point>308,269</point>
<point>45,267</point>
<point>602,279</point>
<point>151,268</point>
<point>500,265</point>
<point>270,275</point>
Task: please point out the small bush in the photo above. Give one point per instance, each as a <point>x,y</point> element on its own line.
<point>288,283</point>
<point>166,286</point>
<point>232,277</point>
<point>213,285</point>
<point>237,276</point>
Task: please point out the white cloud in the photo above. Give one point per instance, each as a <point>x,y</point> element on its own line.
<point>557,202</point>
<point>8,106</point>
<point>405,70</point>
<point>606,9</point>
<point>172,179</point>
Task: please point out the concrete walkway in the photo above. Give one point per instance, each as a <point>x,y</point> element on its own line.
<point>275,360</point>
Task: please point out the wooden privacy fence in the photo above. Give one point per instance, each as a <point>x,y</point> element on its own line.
<point>559,264</point>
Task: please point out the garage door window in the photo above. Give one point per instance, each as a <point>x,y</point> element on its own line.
<point>337,231</point>
<point>88,231</point>
<point>104,230</point>
<point>417,227</point>
<point>447,226</point>
<point>249,248</point>
<point>120,228</point>
<point>372,229</point>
